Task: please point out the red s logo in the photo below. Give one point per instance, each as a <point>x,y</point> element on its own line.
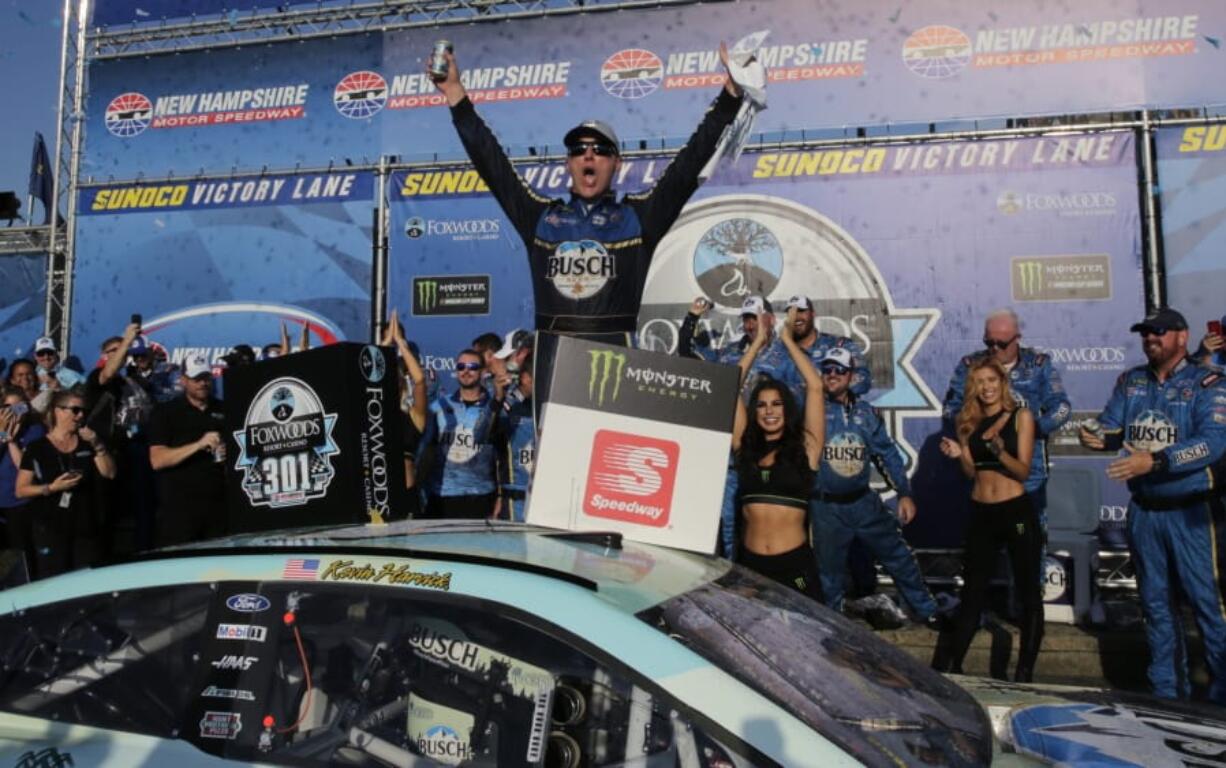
<point>631,478</point>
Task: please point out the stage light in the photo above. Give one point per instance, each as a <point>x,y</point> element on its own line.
<point>9,205</point>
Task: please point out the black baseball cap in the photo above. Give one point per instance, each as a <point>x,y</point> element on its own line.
<point>1161,321</point>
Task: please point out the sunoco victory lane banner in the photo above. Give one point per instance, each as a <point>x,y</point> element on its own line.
<point>1192,178</point>
<point>649,72</point>
<point>214,263</point>
<point>902,248</point>
<point>632,441</point>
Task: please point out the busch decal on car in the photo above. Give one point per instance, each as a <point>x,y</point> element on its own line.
<point>286,445</point>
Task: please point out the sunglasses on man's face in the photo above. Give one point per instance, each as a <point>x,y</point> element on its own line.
<point>1158,332</point>
<point>468,366</point>
<point>834,369</point>
<point>998,343</point>
<point>76,409</point>
<point>45,353</point>
<point>601,150</point>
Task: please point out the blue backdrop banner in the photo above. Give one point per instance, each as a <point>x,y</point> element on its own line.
<point>1192,180</point>
<point>903,248</point>
<point>23,297</point>
<point>650,72</point>
<point>211,264</point>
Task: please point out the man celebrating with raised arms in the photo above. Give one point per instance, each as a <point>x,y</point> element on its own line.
<point>589,255</point>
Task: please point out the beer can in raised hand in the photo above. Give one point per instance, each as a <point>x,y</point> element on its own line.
<point>438,66</point>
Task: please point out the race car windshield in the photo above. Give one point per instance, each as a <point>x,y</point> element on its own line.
<point>870,698</point>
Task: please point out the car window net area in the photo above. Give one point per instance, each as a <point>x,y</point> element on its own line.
<point>116,661</point>
<point>398,679</point>
<point>873,700</point>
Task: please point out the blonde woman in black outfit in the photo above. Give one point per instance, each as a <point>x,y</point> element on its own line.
<point>995,445</point>
<point>777,451</point>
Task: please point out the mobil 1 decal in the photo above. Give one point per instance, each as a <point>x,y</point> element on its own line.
<point>285,446</point>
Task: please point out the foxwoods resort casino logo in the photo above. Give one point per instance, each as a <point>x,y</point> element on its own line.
<point>360,95</point>
<point>729,247</point>
<point>286,446</point>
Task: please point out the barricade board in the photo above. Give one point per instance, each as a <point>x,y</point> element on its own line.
<point>314,438</point>
<point>632,441</point>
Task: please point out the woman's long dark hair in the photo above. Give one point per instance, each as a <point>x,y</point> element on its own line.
<point>791,445</point>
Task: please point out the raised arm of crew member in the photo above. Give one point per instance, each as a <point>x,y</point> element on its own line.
<point>522,204</point>
<point>115,362</point>
<point>393,334</point>
<point>815,395</point>
<point>757,343</point>
<point>689,327</point>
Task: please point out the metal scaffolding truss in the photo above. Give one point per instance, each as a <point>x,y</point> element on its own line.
<point>19,240</point>
<point>329,20</point>
<point>69,124</point>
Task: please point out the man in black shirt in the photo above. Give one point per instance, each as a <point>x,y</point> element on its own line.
<point>187,451</point>
<point>589,256</point>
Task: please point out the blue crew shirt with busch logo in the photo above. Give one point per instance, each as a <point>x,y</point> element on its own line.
<point>517,452</point>
<point>1182,418</point>
<point>462,437</point>
<point>856,439</point>
<point>1036,385</point>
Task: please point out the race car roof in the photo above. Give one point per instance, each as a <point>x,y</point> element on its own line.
<point>628,574</point>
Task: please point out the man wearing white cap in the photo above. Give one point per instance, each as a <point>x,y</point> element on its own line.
<point>845,508</point>
<point>817,344</point>
<point>186,450</point>
<point>589,256</point>
<point>51,372</point>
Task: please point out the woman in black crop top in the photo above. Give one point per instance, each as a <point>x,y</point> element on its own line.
<point>995,444</point>
<point>777,451</point>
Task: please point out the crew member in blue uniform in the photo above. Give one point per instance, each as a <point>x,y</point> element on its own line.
<point>460,430</point>
<point>1170,417</point>
<point>517,444</point>
<point>1036,385</point>
<point>845,508</point>
<point>589,255</point>
<point>816,344</point>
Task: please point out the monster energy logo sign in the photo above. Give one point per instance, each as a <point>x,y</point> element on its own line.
<point>606,364</point>
<point>427,295</point>
<point>451,295</point>
<point>1029,277</point>
<point>1061,278</point>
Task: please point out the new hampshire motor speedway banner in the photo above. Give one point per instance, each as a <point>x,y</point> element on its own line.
<point>213,263</point>
<point>1192,180</point>
<point>649,72</point>
<point>902,248</point>
<point>23,302</point>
